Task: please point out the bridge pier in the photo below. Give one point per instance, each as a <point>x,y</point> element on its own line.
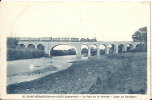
<point>78,56</point>
<point>47,51</point>
<point>125,49</point>
<point>107,50</point>
<point>89,52</point>
<point>116,49</point>
<point>78,50</point>
<point>98,51</point>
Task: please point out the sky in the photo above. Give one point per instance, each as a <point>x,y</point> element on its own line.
<point>107,21</point>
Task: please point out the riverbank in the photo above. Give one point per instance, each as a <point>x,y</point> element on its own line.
<point>109,74</point>
<point>28,69</point>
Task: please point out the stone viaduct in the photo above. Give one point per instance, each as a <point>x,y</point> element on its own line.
<point>47,46</point>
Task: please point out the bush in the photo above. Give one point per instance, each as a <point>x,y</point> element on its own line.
<point>15,54</point>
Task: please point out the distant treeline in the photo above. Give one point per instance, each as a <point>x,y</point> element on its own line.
<point>63,52</point>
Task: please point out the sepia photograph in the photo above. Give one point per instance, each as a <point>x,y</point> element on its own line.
<point>78,50</point>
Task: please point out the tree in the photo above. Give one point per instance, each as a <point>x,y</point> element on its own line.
<point>140,35</point>
<point>12,42</point>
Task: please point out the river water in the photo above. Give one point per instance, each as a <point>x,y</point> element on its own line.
<point>30,69</point>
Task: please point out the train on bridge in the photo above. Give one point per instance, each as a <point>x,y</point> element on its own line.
<point>51,39</point>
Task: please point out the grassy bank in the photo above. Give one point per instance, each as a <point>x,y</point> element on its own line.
<point>112,74</point>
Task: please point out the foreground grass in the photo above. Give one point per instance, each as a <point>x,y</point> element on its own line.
<point>110,74</point>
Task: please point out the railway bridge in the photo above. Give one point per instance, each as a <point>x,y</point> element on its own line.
<point>48,44</point>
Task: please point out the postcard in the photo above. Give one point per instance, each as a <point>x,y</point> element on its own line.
<point>75,50</point>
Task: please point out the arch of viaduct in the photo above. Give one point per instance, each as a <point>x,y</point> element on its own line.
<point>48,46</point>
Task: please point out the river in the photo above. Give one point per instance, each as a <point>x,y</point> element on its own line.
<point>30,69</point>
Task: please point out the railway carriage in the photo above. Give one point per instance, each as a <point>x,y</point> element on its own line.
<point>55,39</point>
<point>65,39</point>
<point>74,39</point>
